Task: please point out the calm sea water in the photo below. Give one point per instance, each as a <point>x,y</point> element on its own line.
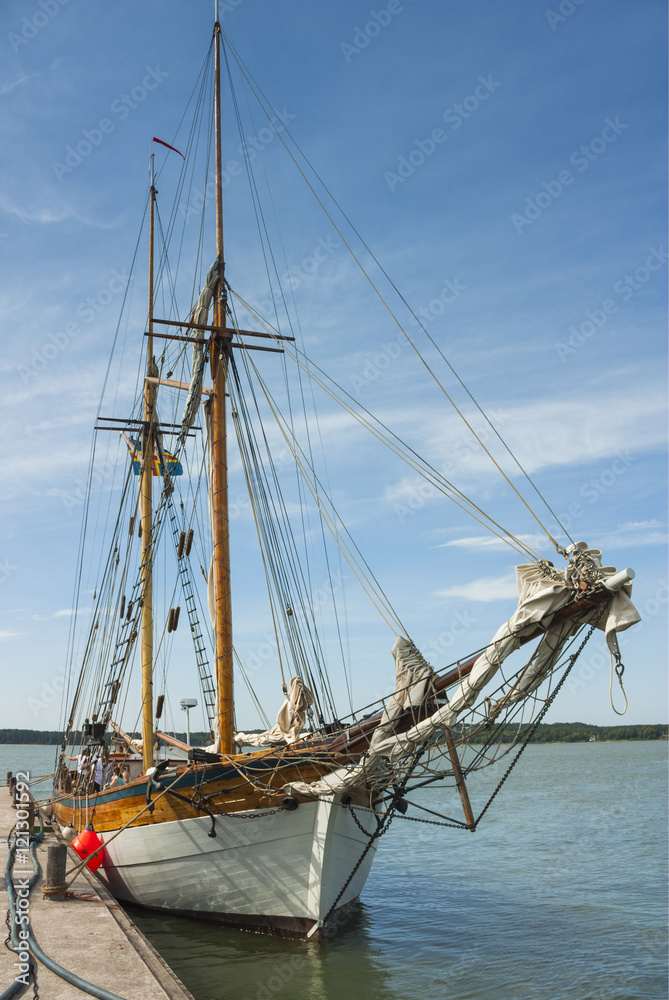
<point>560,895</point>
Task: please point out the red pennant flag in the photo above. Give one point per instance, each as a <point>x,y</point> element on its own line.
<point>168,146</point>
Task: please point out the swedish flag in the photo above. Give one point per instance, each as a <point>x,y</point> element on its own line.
<point>173,465</point>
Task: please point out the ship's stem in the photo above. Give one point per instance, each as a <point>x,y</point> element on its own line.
<point>220,353</point>
<point>146,519</point>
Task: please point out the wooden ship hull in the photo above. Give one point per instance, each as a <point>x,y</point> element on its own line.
<point>275,863</point>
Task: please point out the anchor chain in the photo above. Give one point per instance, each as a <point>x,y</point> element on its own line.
<point>549,701</point>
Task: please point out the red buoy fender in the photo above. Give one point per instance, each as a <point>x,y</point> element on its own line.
<point>85,843</point>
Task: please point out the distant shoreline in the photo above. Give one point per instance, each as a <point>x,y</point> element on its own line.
<point>551,732</point>
<point>548,743</point>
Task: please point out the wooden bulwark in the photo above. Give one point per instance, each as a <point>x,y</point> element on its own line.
<point>221,788</point>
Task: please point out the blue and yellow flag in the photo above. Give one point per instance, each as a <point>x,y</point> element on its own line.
<point>173,464</point>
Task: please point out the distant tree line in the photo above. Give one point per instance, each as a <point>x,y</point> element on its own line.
<point>551,732</point>
<point>577,732</point>
<point>54,737</point>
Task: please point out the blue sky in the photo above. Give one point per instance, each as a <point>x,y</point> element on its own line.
<point>506,164</point>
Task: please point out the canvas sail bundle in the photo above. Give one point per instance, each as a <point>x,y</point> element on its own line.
<point>542,591</point>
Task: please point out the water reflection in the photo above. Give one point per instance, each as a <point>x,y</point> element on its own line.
<point>218,963</point>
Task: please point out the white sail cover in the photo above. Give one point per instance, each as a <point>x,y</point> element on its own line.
<point>413,677</point>
<point>542,590</point>
<point>289,721</point>
<point>200,315</point>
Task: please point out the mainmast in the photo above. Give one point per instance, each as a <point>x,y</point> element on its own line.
<point>220,354</point>
<point>147,515</point>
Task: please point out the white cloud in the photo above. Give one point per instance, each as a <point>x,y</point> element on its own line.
<point>45,211</point>
<point>541,433</point>
<point>64,613</point>
<point>7,88</point>
<point>478,543</point>
<point>6,634</point>
<point>632,534</point>
<point>485,589</point>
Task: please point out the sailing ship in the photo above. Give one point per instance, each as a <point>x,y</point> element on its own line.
<point>275,830</point>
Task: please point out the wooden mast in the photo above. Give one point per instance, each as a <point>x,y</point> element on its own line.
<point>147,516</point>
<point>220,354</point>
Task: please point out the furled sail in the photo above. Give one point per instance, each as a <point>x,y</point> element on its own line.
<point>542,590</point>
<point>289,721</point>
<point>413,676</point>
<point>199,317</point>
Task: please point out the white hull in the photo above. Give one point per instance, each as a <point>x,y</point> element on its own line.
<point>279,870</point>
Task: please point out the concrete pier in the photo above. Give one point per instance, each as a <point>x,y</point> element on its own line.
<point>87,932</point>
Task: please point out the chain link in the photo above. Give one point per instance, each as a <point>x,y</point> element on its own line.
<point>547,704</point>
<point>270,812</point>
<point>347,805</point>
<point>383,825</point>
<point>432,822</point>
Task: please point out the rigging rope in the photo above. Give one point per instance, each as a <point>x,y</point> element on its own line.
<point>386,305</point>
<point>388,437</point>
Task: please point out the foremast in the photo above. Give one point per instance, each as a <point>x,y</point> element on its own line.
<point>220,355</point>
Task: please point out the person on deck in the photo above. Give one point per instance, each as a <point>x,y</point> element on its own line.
<point>83,760</point>
<point>116,778</point>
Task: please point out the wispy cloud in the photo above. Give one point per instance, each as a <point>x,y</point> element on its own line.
<point>6,634</point>
<point>631,535</point>
<point>7,88</point>
<point>45,211</point>
<point>488,543</point>
<point>485,589</point>
<point>63,613</point>
<point>23,78</point>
